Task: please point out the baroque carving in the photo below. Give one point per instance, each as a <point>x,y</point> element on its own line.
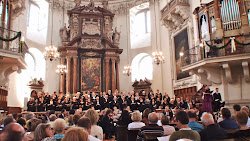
<point>245,66</point>
<point>116,37</point>
<point>74,26</point>
<point>64,33</point>
<point>18,6</point>
<point>91,27</point>
<point>228,73</point>
<point>91,43</point>
<point>91,54</point>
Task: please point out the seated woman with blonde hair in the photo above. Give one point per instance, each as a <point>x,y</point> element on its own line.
<point>136,117</point>
<point>75,134</point>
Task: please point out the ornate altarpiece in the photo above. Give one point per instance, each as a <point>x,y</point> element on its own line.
<point>90,50</point>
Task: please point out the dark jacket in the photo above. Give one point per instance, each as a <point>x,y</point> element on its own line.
<point>213,132</point>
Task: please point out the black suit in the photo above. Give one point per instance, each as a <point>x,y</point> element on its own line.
<point>216,99</point>
<point>213,132</point>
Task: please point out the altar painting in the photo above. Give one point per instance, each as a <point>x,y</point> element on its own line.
<point>91,74</point>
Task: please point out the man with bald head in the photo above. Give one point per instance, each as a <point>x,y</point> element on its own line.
<point>13,132</point>
<point>212,131</point>
<point>152,128</point>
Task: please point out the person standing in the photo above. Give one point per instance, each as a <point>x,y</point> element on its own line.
<point>207,100</point>
<point>216,100</point>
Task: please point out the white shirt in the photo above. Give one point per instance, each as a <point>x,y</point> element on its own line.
<point>97,131</point>
<point>91,138</point>
<point>135,125</point>
<point>168,130</point>
<point>248,122</point>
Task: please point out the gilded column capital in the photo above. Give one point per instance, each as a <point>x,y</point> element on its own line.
<point>107,59</point>
<point>113,59</point>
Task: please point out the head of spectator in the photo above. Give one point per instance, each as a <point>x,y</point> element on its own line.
<point>109,113</point>
<point>64,112</point>
<point>246,109</point>
<point>8,120</point>
<point>31,126</point>
<point>226,114</point>
<point>192,115</point>
<point>13,132</point>
<point>165,120</point>
<point>29,116</point>
<point>15,116</point>
<point>182,119</point>
<point>75,134</point>
<point>147,101</point>
<point>146,113</point>
<point>52,117</point>
<point>70,120</point>
<point>236,108</point>
<point>59,126</point>
<point>125,118</point>
<point>71,112</point>
<point>85,123</point>
<point>93,116</point>
<point>207,119</point>
<point>21,121</point>
<point>242,118</point>
<point>153,118</point>
<point>136,116</point>
<point>76,118</point>
<point>43,131</point>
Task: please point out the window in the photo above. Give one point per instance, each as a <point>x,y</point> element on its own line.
<point>38,21</point>
<point>140,26</point>
<point>248,15</point>
<point>142,67</point>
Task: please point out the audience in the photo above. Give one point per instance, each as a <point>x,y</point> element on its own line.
<point>22,122</point>
<point>59,126</point>
<point>44,132</point>
<point>8,120</point>
<point>192,121</point>
<point>211,131</point>
<point>152,128</point>
<point>168,130</point>
<point>124,119</point>
<point>85,123</point>
<point>227,122</point>
<point>241,118</point>
<point>136,117</point>
<point>31,126</point>
<point>184,131</point>
<point>75,134</point>
<point>13,132</point>
<point>96,130</point>
<point>108,124</point>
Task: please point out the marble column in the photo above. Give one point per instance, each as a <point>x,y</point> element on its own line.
<point>113,74</point>
<point>68,74</point>
<point>75,74</point>
<point>62,78</point>
<point>117,74</point>
<point>107,74</point>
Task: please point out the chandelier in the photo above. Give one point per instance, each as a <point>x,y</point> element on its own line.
<point>51,51</point>
<point>61,69</point>
<point>158,57</point>
<point>127,70</point>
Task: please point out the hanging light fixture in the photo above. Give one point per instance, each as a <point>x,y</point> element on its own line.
<point>127,69</point>
<point>61,69</point>
<point>157,55</point>
<point>51,51</point>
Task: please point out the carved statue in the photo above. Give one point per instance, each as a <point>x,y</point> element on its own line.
<point>18,6</point>
<point>75,26</point>
<point>64,33</point>
<point>77,2</point>
<point>116,36</point>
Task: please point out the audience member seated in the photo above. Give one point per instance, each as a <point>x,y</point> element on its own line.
<point>22,122</point>
<point>227,122</point>
<point>59,126</point>
<point>85,123</point>
<point>29,116</point>
<point>124,119</point>
<point>52,117</point>
<point>108,124</point>
<point>8,120</point>
<point>44,132</point>
<point>145,116</point>
<point>151,128</point>
<point>31,126</point>
<point>96,130</point>
<point>136,117</point>
<point>246,109</point>
<point>168,112</point>
<point>241,118</point>
<point>168,130</point>
<point>13,132</point>
<point>75,134</point>
<point>192,121</point>
<point>75,119</point>
<point>211,131</point>
<point>184,131</point>
<point>236,108</point>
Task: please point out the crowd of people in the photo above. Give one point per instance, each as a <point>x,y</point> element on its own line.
<point>154,114</point>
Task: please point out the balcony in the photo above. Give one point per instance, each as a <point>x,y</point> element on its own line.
<point>12,52</point>
<point>174,13</point>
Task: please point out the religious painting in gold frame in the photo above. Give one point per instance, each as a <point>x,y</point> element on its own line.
<point>91,74</point>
